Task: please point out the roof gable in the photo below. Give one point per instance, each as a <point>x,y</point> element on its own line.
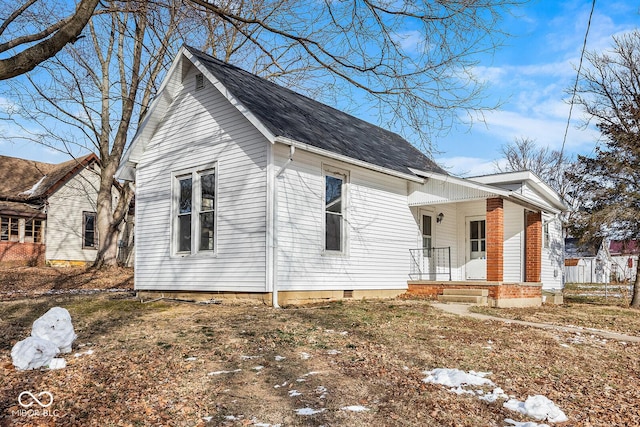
<point>290,115</point>
<point>25,180</point>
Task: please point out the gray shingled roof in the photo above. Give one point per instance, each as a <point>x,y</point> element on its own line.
<point>288,114</point>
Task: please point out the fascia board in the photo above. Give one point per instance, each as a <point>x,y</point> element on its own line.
<point>346,159</point>
<point>231,98</point>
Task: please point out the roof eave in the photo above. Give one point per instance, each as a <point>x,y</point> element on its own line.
<point>347,159</point>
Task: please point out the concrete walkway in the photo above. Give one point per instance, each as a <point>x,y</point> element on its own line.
<point>463,310</point>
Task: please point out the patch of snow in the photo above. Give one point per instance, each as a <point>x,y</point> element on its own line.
<point>333,352</point>
<point>322,391</point>
<point>224,372</point>
<point>309,411</point>
<point>230,418</point>
<point>538,407</point>
<point>496,394</point>
<point>207,419</point>
<point>279,358</point>
<point>301,380</point>
<point>354,408</point>
<point>57,363</point>
<point>304,356</point>
<point>294,393</point>
<point>280,385</point>
<point>456,378</point>
<point>526,424</point>
<point>33,189</point>
<point>190,359</point>
<point>258,368</point>
<point>88,352</point>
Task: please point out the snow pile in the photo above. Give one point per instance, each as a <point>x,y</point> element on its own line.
<point>538,407</point>
<point>513,423</point>
<point>55,326</point>
<point>456,378</point>
<point>461,382</point>
<point>51,334</point>
<point>33,353</point>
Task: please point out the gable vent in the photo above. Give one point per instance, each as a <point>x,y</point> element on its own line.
<point>199,81</point>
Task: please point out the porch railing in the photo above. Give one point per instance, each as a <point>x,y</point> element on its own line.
<point>430,264</point>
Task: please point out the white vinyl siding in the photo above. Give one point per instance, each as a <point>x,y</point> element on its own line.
<point>513,242</point>
<point>202,127</point>
<point>65,218</point>
<point>380,227</point>
<point>553,256</point>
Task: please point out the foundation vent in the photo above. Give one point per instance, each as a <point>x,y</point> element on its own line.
<point>347,294</point>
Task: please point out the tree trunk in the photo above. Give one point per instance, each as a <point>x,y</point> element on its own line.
<point>635,300</point>
<point>107,255</point>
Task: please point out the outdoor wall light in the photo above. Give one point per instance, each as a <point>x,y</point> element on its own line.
<point>439,217</point>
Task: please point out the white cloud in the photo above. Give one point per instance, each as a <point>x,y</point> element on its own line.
<point>467,166</point>
<point>411,41</point>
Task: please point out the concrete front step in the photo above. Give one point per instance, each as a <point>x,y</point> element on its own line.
<point>466,292</point>
<point>467,299</point>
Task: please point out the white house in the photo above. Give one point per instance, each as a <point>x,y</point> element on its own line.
<point>246,188</point>
<point>48,211</point>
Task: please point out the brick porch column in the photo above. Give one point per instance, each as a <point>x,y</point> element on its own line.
<point>533,247</point>
<point>495,240</point>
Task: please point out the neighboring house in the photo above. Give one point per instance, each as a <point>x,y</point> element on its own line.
<point>245,188</point>
<point>48,211</point>
<point>586,262</point>
<point>624,260</point>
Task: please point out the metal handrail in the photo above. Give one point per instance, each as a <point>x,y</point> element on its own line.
<point>430,264</point>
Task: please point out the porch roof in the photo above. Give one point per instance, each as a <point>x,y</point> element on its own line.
<point>443,189</point>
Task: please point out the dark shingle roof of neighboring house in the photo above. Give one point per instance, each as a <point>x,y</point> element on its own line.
<point>573,248</point>
<point>288,114</point>
<point>624,247</point>
<point>23,181</point>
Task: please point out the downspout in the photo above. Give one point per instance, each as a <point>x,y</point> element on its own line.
<point>274,291</point>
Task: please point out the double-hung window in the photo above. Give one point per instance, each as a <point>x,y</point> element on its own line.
<point>9,229</point>
<point>334,204</point>
<point>89,234</point>
<point>194,213</point>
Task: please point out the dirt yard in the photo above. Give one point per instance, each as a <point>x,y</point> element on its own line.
<point>352,363</point>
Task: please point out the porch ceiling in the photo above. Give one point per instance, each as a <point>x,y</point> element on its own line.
<point>449,190</point>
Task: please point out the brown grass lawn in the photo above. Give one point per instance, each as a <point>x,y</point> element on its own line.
<point>161,363</point>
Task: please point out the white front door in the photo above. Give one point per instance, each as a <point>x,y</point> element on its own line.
<point>476,256</point>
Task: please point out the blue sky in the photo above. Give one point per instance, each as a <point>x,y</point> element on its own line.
<point>530,75</point>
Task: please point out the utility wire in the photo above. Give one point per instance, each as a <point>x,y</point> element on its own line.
<point>575,84</point>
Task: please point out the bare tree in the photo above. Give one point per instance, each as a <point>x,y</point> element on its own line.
<point>413,60</point>
<point>609,180</point>
<point>550,165</point>
<point>45,36</point>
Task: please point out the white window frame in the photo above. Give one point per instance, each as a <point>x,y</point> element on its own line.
<point>330,171</point>
<point>196,208</point>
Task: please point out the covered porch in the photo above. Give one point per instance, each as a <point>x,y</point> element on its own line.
<point>476,236</point>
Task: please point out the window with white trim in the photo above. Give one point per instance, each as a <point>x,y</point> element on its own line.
<point>334,203</point>
<point>89,234</point>
<point>194,212</point>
